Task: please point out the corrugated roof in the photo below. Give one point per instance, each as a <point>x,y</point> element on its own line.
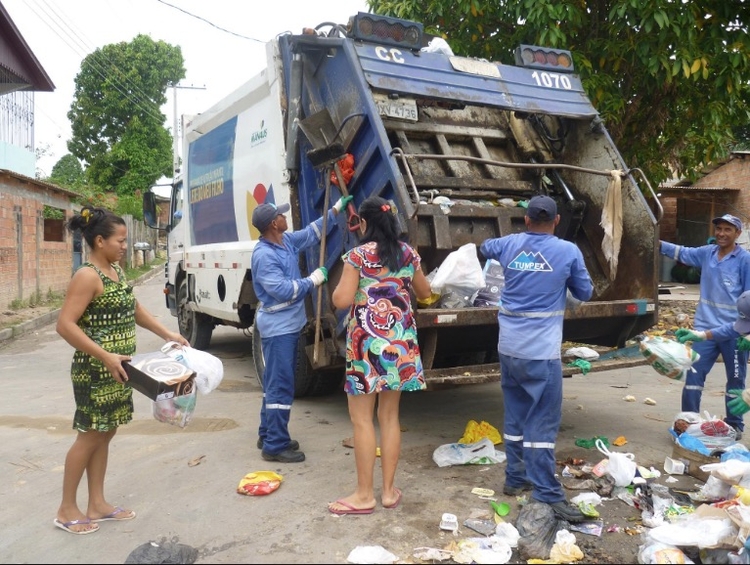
<point>41,183</point>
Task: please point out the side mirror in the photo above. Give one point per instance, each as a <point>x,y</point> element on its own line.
<point>149,211</point>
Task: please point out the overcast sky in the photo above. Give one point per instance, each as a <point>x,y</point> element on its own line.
<point>222,41</point>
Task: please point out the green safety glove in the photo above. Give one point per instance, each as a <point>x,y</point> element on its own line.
<point>683,335</point>
<point>342,202</point>
<point>740,403</point>
<point>743,344</point>
<point>319,276</point>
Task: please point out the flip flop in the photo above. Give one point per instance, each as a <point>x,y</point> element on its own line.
<point>395,504</point>
<point>67,526</point>
<point>113,515</point>
<point>349,509</point>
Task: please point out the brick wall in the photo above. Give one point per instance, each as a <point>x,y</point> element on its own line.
<point>29,264</point>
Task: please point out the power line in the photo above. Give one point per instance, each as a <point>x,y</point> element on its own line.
<point>208,22</point>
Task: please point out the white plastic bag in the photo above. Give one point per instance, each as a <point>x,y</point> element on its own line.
<point>176,410</point>
<point>668,357</point>
<point>460,269</point>
<point>621,466</point>
<point>480,453</point>
<point>209,370</point>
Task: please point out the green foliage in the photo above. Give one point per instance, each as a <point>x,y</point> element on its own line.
<point>129,204</point>
<point>67,172</point>
<point>117,125</point>
<point>668,77</point>
<point>52,213</point>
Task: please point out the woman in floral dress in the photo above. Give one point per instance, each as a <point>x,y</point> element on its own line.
<point>382,351</point>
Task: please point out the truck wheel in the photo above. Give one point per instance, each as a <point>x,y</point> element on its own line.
<point>304,378</point>
<point>196,328</point>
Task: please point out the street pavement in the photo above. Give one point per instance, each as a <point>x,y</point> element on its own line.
<point>153,470</point>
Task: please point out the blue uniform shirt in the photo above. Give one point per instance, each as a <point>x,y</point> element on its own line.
<point>722,281</point>
<point>277,280</point>
<point>538,270</point>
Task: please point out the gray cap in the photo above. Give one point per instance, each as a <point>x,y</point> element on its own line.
<point>742,325</point>
<point>542,209</point>
<point>266,213</point>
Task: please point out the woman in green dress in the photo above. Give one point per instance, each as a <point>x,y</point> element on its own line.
<point>98,318</point>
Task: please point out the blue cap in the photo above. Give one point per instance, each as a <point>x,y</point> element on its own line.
<point>728,218</point>
<point>542,209</point>
<point>266,213</point>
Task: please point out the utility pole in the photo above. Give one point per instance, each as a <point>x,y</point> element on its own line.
<point>175,136</point>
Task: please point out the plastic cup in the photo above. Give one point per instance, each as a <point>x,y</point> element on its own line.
<point>674,466</point>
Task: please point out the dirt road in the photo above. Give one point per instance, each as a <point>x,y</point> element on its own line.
<point>150,471</point>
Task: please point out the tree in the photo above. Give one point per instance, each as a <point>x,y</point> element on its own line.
<point>67,172</point>
<point>117,125</point>
<point>668,77</point>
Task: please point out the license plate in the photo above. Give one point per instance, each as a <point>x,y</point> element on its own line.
<point>400,109</point>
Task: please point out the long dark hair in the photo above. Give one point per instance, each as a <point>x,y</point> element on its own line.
<point>93,222</point>
<point>383,229</point>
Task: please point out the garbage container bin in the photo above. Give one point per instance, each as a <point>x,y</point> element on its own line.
<point>665,274</point>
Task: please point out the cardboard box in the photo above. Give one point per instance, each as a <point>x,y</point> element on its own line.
<point>159,376</point>
<point>693,461</point>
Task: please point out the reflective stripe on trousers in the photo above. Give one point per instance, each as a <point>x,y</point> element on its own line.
<point>280,355</point>
<point>532,398</point>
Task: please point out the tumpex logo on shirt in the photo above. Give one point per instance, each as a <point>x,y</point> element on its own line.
<point>530,262</point>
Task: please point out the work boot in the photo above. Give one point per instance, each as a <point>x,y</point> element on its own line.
<point>567,511</point>
<point>515,491</point>
<point>293,444</point>
<point>286,456</point>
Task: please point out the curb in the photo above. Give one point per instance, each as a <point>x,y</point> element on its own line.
<point>51,317</point>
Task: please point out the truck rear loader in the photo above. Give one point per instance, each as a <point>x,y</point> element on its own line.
<point>455,143</point>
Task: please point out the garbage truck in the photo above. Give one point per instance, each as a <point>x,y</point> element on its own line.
<point>377,106</point>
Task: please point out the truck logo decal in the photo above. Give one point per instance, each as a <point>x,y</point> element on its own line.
<point>526,261</point>
<point>259,135</point>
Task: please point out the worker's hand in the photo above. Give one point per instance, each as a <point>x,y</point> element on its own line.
<point>342,202</point>
<point>683,335</point>
<point>738,405</point>
<point>743,344</point>
<point>319,276</point>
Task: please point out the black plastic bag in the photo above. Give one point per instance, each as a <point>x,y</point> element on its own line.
<point>538,525</point>
<point>165,552</point>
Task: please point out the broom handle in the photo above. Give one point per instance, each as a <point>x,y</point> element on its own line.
<point>319,307</point>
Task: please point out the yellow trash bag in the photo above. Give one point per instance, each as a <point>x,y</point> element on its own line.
<point>259,483</point>
<point>475,431</point>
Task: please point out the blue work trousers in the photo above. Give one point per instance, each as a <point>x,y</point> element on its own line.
<point>280,354</point>
<point>735,363</point>
<point>532,398</point>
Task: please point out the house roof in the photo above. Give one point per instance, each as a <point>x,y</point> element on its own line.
<point>41,183</point>
<point>19,68</point>
<point>684,184</point>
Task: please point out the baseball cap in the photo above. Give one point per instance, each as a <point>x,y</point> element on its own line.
<point>541,209</point>
<point>266,213</point>
<point>742,325</point>
<point>728,218</point>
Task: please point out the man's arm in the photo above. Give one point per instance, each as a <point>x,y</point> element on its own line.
<point>692,256</point>
<point>579,282</point>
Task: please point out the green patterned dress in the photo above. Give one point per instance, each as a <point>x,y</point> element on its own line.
<point>102,403</point>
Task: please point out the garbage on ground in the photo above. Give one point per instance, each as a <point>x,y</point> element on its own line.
<point>585,353</point>
<point>713,432</point>
<point>537,526</point>
<point>591,443</point>
<point>431,554</point>
<point>582,364</point>
<point>475,431</point>
<point>565,549</point>
<point>482,452</point>
<point>621,466</point>
<point>449,522</point>
<point>259,483</point>
<point>667,356</point>
<point>370,554</point>
<point>162,552</point>
<point>484,527</point>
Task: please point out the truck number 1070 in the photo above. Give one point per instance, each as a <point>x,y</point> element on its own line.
<point>551,80</point>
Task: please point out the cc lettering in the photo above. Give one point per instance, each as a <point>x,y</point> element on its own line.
<point>389,54</point>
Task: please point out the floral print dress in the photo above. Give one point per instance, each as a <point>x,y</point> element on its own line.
<point>382,352</point>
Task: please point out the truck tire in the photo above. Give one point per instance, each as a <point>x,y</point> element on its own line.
<point>305,380</point>
<point>195,327</point>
